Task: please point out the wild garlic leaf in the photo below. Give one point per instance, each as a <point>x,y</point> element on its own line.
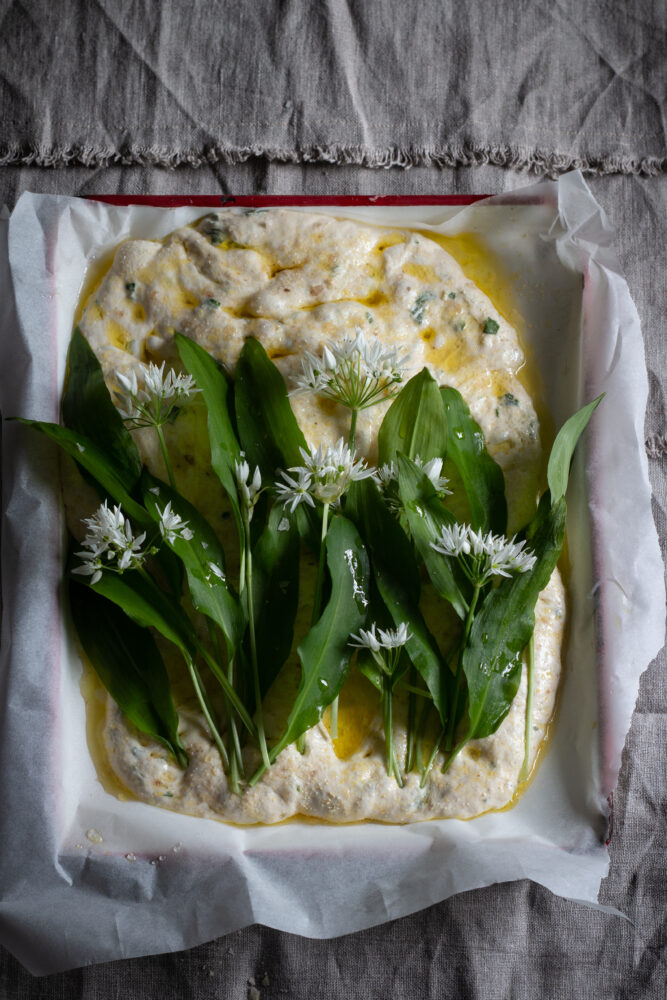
<point>558,469</point>
<point>370,669</point>
<point>109,477</point>
<point>275,562</point>
<point>203,558</point>
<point>225,448</point>
<point>377,614</point>
<point>149,606</point>
<point>426,516</point>
<point>87,408</point>
<point>481,476</point>
<point>415,423</point>
<point>172,570</point>
<point>268,430</point>
<point>325,652</point>
<point>502,628</point>
<point>397,577</point>
<point>129,664</point>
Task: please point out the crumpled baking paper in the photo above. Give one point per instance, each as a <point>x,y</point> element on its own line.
<point>87,878</point>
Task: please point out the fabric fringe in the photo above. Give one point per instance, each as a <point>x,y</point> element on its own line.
<point>536,161</point>
<point>656,446</point>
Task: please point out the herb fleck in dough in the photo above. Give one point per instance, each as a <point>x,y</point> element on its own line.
<point>295,281</point>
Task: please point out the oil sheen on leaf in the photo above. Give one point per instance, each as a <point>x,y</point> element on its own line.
<point>325,652</point>
<point>481,476</point>
<point>415,423</point>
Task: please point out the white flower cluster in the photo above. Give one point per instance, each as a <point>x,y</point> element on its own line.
<point>387,475</point>
<point>325,476</point>
<point>172,526</point>
<point>382,639</point>
<point>150,400</point>
<point>483,556</point>
<point>357,371</point>
<point>109,541</point>
<point>249,489</point>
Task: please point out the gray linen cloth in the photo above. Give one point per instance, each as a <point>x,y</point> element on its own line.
<point>470,95</point>
<point>368,82</point>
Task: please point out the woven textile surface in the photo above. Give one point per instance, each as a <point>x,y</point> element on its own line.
<point>316,98</point>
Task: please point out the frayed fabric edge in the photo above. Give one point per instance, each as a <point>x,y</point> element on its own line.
<point>540,162</point>
<point>656,446</point>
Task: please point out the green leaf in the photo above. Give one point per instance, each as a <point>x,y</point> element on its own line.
<point>397,577</point>
<point>482,477</point>
<point>370,669</point>
<point>128,663</point>
<point>275,576</point>
<point>88,409</point>
<point>149,606</point>
<point>268,430</point>
<point>415,423</point>
<point>325,652</point>
<point>225,449</point>
<point>203,558</point>
<point>426,516</point>
<point>502,628</point>
<point>558,469</point>
<point>90,457</point>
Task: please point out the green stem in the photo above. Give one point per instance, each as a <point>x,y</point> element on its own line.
<point>229,691</point>
<point>454,754</point>
<point>421,729</point>
<point>459,673</point>
<point>242,566</point>
<point>234,750</point>
<point>353,430</point>
<point>429,762</point>
<point>333,719</point>
<point>165,455</point>
<point>412,717</point>
<point>237,770</point>
<point>319,584</point>
<point>388,720</point>
<point>530,685</point>
<point>253,644</point>
<point>203,702</point>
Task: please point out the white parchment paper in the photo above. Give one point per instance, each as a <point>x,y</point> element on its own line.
<point>86,878</point>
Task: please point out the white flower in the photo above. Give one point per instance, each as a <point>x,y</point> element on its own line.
<point>395,638</point>
<point>314,377</point>
<point>172,526</point>
<point>295,491</point>
<point>332,470</point>
<point>377,639</point>
<point>453,540</point>
<point>512,557</point>
<point>482,556</point>
<point>109,539</point>
<point>357,371</point>
<point>367,639</point>
<point>91,565</point>
<point>248,490</point>
<point>149,401</point>
<point>386,475</point>
<point>432,469</point>
<point>325,475</point>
